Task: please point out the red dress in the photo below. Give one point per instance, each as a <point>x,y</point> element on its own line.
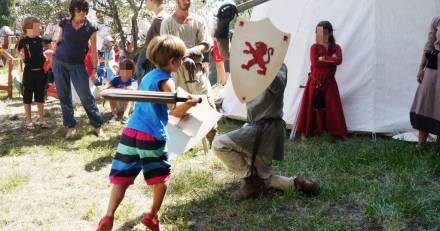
<point>331,119</point>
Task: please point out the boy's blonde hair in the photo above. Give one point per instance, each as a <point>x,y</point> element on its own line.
<point>28,23</point>
<point>163,48</point>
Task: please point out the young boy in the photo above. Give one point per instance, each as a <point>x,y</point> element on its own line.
<point>125,80</point>
<point>143,141</point>
<point>30,49</point>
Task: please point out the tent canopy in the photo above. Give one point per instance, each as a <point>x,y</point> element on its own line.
<point>382,43</point>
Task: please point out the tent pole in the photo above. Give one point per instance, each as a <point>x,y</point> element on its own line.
<point>293,132</point>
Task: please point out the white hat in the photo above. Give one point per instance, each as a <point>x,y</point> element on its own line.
<point>108,40</point>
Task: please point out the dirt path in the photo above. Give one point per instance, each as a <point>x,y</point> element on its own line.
<point>44,188</point>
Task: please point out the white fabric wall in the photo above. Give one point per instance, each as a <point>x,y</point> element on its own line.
<point>382,42</point>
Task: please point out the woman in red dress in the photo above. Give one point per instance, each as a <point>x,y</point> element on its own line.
<point>321,108</point>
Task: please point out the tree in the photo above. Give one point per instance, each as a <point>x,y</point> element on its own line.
<point>127,13</point>
<point>45,10</point>
<point>119,10</point>
<point>6,13</point>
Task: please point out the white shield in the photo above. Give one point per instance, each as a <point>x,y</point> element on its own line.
<point>187,132</point>
<point>258,49</point>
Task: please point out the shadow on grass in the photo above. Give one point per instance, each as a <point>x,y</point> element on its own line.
<point>102,161</point>
<point>98,164</point>
<point>14,137</point>
<point>273,210</point>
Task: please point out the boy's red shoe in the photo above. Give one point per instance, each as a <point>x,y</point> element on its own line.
<point>105,224</point>
<point>151,222</point>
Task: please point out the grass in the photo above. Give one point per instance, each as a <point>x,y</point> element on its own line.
<point>366,186</point>
<point>386,185</point>
<point>9,183</point>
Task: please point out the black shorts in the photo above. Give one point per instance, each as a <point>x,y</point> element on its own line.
<point>34,86</point>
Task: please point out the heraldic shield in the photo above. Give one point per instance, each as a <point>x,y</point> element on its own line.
<point>258,49</point>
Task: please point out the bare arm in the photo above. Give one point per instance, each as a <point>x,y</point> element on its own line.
<point>59,39</point>
<point>94,54</point>
<point>19,50</point>
<point>178,110</point>
<point>6,54</point>
<point>128,108</point>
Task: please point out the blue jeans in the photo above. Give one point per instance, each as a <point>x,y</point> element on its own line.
<point>64,73</point>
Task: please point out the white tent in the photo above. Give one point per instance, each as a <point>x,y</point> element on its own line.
<point>382,42</point>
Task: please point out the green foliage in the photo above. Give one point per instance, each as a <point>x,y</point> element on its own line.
<point>45,10</point>
<point>7,13</point>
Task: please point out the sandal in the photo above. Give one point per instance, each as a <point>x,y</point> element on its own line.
<point>29,126</point>
<point>151,222</point>
<point>44,125</point>
<point>105,224</point>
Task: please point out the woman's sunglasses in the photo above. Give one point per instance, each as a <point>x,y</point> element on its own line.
<point>83,9</point>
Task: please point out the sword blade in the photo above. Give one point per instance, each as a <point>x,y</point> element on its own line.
<point>141,96</point>
<point>249,4</point>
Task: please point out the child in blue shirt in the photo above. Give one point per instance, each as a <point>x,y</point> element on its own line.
<point>100,70</point>
<point>125,80</point>
<point>109,58</point>
<point>143,142</point>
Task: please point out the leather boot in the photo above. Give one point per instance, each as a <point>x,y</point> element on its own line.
<point>308,187</point>
<point>251,186</point>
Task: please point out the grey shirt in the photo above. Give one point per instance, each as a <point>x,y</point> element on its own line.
<point>267,106</point>
<point>193,33</point>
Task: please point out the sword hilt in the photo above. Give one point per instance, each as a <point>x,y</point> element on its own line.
<point>194,99</point>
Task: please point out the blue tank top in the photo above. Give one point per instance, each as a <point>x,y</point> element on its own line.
<point>151,118</point>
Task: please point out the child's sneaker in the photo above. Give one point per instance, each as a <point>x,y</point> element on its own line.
<point>105,224</point>
<point>151,222</point>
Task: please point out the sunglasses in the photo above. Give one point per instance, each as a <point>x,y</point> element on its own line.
<point>84,9</point>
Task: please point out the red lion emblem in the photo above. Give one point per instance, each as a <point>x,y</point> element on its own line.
<point>258,54</point>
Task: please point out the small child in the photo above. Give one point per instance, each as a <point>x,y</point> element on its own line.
<point>100,71</point>
<point>30,48</point>
<point>109,58</point>
<point>125,80</point>
<point>143,142</point>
